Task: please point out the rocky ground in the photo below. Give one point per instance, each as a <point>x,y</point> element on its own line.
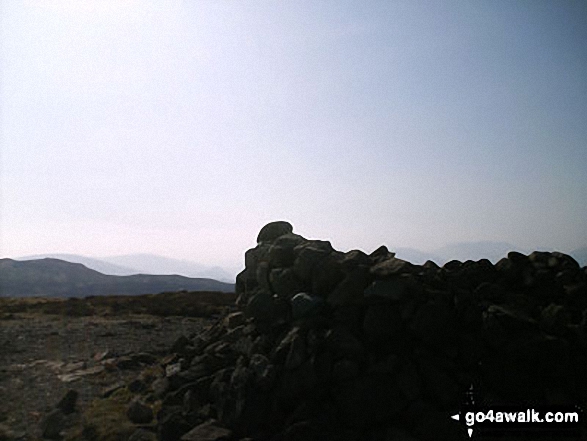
<point>45,355</point>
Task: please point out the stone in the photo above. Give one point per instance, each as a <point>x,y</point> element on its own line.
<point>344,370</point>
<point>297,352</point>
<point>382,323</point>
<point>53,424</point>
<point>434,323</point>
<point>67,403</point>
<point>208,431</point>
<point>273,230</point>
<point>309,256</point>
<point>284,282</point>
<point>394,289</point>
<point>143,435</point>
<point>369,400</point>
<point>281,256</point>
<point>139,413</point>
<point>343,344</point>
<point>381,254</point>
<point>234,319</point>
<point>304,305</point>
<point>391,267</point>
<point>351,289</point>
<point>353,259</point>
<point>180,344</point>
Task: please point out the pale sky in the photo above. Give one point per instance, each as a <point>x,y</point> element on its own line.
<point>181,128</point>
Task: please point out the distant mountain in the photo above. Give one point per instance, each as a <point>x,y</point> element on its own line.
<point>130,264</point>
<point>58,278</point>
<point>416,256</point>
<point>92,263</point>
<point>463,251</point>
<point>154,264</point>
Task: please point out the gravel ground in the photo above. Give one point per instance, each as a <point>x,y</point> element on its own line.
<point>43,356</point>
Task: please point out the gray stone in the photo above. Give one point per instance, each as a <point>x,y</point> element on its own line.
<point>391,267</point>
<point>280,256</point>
<point>273,230</point>
<point>234,319</point>
<point>284,282</point>
<point>309,256</point>
<point>139,413</point>
<point>304,305</point>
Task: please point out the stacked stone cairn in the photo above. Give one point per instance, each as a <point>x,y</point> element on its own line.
<point>326,345</point>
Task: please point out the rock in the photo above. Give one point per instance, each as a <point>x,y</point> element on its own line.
<point>331,345</point>
<point>137,386</point>
<point>381,254</point>
<point>394,289</point>
<point>143,435</point>
<point>76,375</point>
<point>434,323</point>
<point>180,344</point>
<point>309,257</point>
<point>304,305</point>
<point>67,403</point>
<point>382,324</point>
<point>343,344</point>
<point>344,370</point>
<point>281,256</point>
<point>273,230</point>
<point>350,290</point>
<point>234,319</point>
<point>391,267</point>
<point>160,387</point>
<point>139,413</point>
<point>284,282</point>
<point>369,400</point>
<point>171,424</point>
<point>208,431</point>
<point>53,424</point>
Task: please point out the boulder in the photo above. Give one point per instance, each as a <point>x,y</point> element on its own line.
<point>273,230</point>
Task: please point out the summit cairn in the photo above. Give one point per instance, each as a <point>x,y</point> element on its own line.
<point>331,345</point>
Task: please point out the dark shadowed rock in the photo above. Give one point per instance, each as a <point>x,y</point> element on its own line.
<point>139,413</point>
<point>143,435</point>
<point>53,424</point>
<point>273,230</point>
<point>67,403</point>
<point>391,267</point>
<point>208,431</point>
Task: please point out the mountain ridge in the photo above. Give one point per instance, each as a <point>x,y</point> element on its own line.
<point>58,278</point>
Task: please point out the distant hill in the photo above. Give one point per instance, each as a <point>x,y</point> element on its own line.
<point>416,256</point>
<point>154,264</point>
<point>131,264</point>
<point>463,251</point>
<point>96,264</point>
<point>58,278</point>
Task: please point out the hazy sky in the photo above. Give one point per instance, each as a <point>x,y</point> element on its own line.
<point>181,128</point>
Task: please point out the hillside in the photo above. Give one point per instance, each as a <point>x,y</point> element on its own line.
<point>58,278</point>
